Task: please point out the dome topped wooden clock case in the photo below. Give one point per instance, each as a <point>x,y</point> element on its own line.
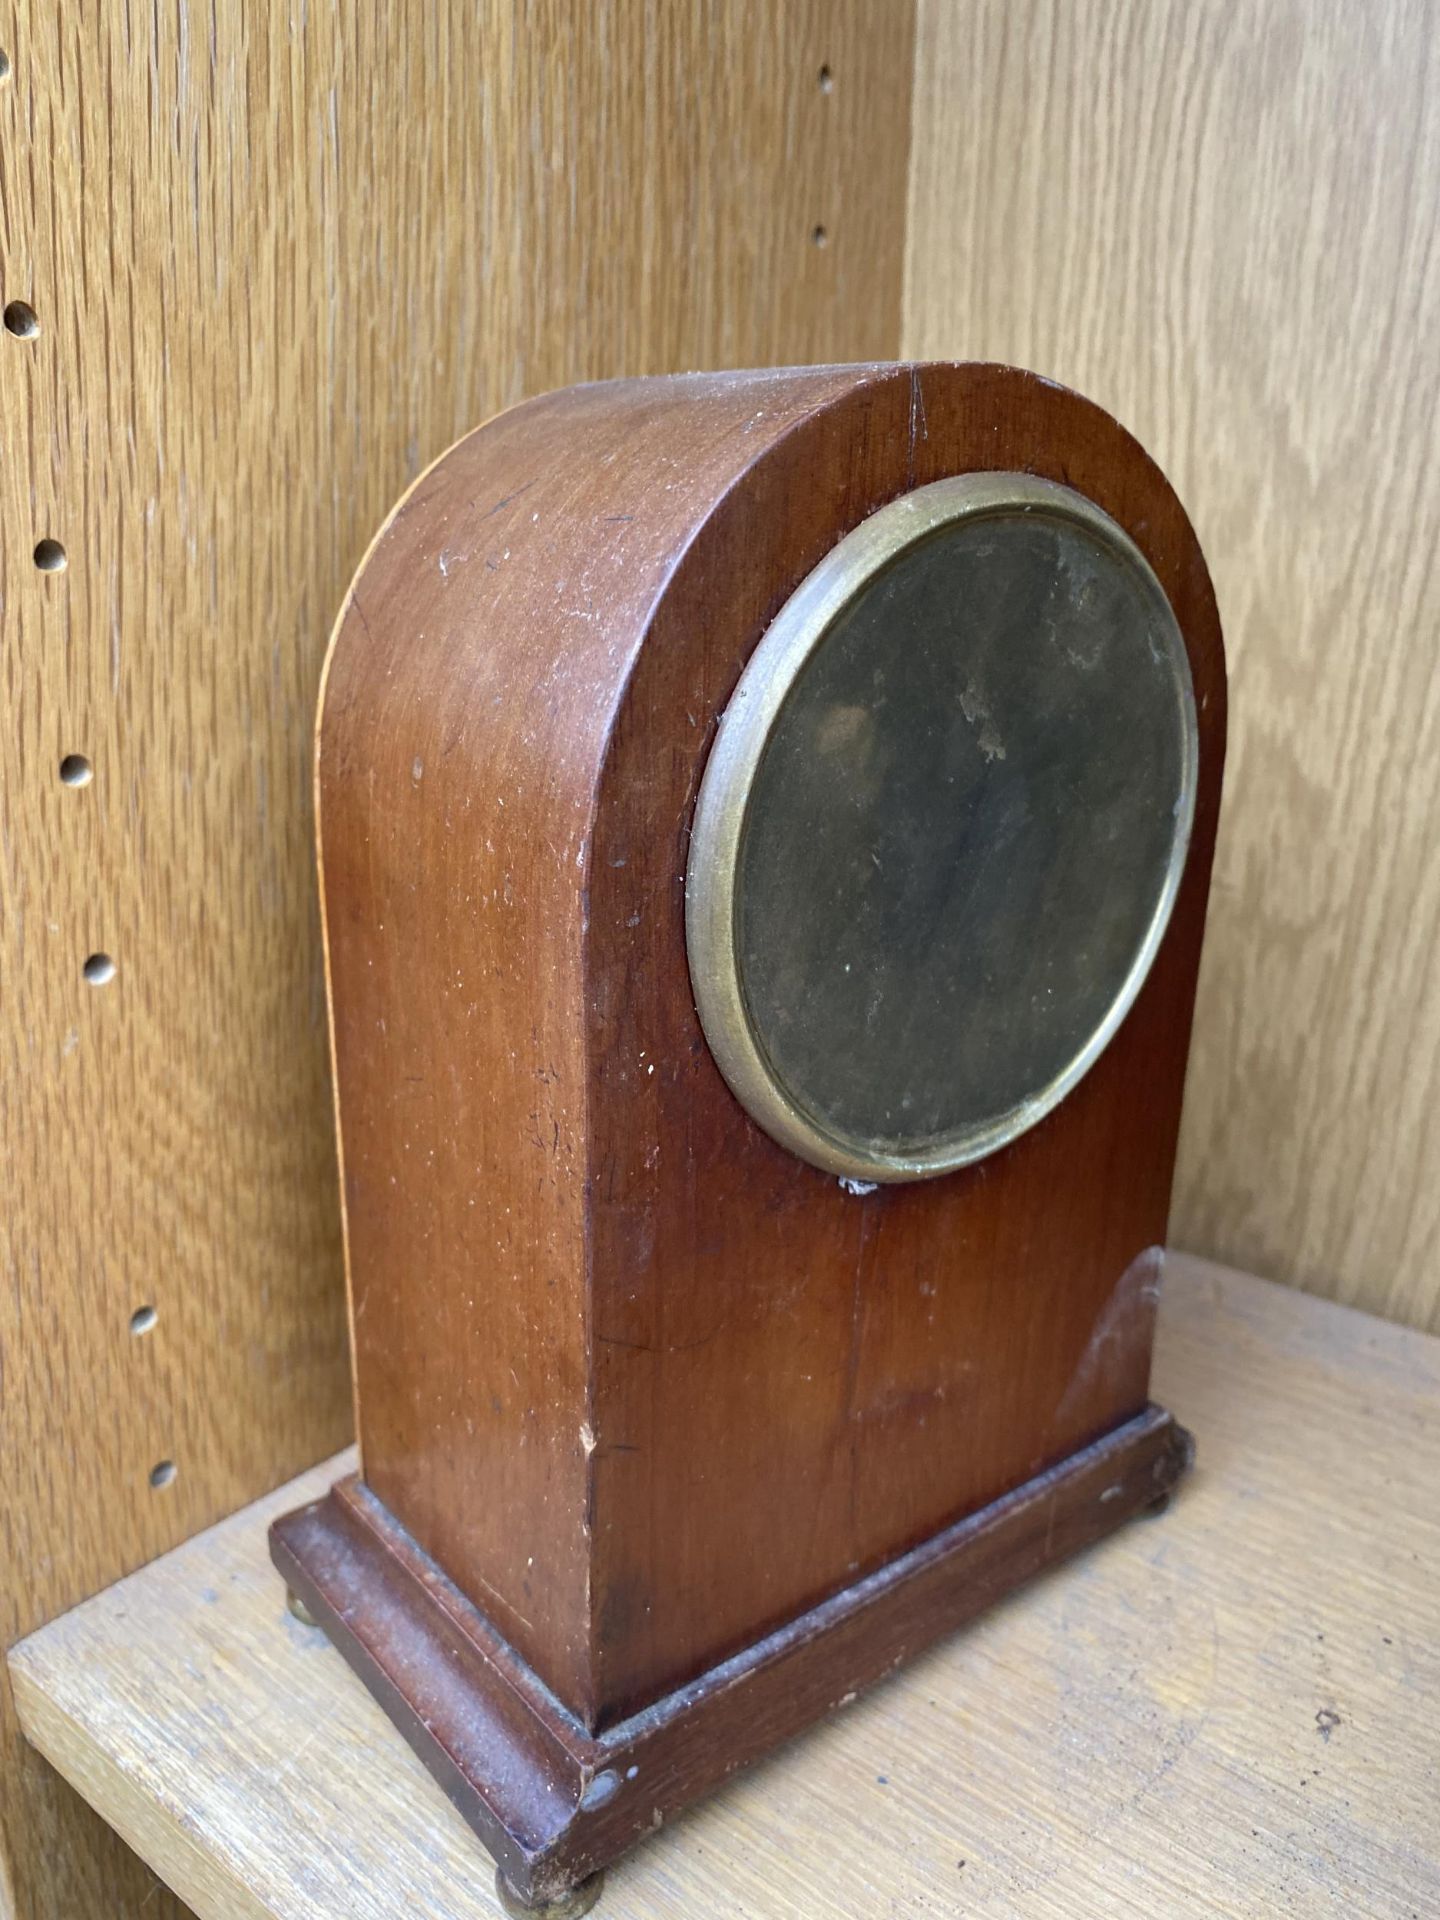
<point>765,828</point>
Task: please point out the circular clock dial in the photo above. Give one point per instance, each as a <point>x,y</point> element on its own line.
<point>941,828</point>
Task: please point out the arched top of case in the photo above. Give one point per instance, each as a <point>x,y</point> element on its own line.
<point>522,575</point>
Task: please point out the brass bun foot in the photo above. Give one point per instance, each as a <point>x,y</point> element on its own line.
<point>298,1607</point>
<point>566,1906</point>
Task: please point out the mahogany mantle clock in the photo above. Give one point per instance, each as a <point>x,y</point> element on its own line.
<point>765,824</point>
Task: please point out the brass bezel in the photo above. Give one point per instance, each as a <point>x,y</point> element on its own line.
<point>719,823</point>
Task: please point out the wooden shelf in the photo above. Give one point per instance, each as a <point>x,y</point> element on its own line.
<point>1227,1711</point>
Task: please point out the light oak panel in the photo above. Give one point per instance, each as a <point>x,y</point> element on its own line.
<point>280,257</point>
<point>1222,1713</point>
<point>1219,218</point>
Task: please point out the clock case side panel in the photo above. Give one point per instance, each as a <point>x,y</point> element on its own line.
<point>794,1383</point>
<point>454,975</point>
<point>471,684</point>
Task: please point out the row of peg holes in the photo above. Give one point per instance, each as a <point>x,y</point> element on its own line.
<point>22,323</point>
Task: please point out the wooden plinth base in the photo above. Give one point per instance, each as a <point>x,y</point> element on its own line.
<point>553,1802</point>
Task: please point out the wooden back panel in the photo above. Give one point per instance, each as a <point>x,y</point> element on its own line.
<point>279,259</point>
<point>1222,223</point>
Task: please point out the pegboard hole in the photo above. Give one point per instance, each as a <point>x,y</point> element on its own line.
<point>820,237</point>
<point>21,321</point>
<point>827,80</point>
<point>76,771</point>
<point>142,1320</point>
<point>99,969</point>
<point>50,556</point>
<point>162,1473</point>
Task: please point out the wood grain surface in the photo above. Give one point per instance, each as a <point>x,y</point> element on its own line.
<point>1222,1713</point>
<point>645,1384</point>
<point>277,259</point>
<point>1220,219</point>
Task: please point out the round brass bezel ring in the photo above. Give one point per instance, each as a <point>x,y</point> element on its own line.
<point>720,812</point>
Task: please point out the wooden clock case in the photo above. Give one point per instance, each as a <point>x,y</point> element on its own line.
<point>670,1441</point>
